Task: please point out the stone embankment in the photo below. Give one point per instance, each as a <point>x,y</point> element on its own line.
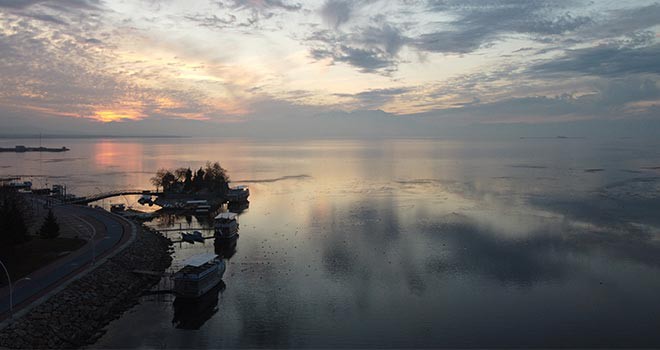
<point>76,316</point>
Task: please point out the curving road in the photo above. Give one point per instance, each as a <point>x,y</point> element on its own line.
<point>110,233</point>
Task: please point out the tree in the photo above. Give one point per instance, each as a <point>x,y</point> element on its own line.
<point>216,178</point>
<point>180,174</point>
<point>188,182</point>
<point>157,180</point>
<point>198,180</point>
<point>13,229</point>
<point>50,228</point>
<point>169,181</point>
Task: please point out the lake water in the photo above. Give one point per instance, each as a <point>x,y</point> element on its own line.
<point>400,243</point>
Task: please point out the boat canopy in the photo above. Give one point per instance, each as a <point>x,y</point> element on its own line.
<point>226,216</point>
<point>199,260</point>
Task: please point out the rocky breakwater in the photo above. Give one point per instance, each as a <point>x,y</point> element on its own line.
<point>76,316</point>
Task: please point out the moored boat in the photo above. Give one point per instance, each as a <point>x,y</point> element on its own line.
<point>226,225</point>
<point>199,275</point>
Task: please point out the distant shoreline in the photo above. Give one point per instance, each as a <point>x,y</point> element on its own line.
<point>24,136</point>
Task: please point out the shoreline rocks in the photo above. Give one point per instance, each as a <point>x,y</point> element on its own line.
<point>76,316</point>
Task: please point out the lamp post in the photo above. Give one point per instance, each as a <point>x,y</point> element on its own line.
<point>103,199</point>
<point>92,237</point>
<point>11,292</point>
<point>11,289</point>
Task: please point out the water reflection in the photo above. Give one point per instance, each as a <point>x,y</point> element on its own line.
<point>191,314</point>
<point>419,243</point>
<point>226,248</point>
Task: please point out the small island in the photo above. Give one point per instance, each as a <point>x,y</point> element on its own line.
<point>208,185</point>
<point>23,149</point>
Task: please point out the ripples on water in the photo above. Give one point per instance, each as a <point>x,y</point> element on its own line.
<point>402,243</point>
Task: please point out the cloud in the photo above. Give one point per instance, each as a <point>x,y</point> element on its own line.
<point>618,22</point>
<point>374,98</point>
<point>46,18</point>
<point>370,49</point>
<point>604,60</point>
<point>476,24</point>
<point>262,5</point>
<point>213,21</point>
<point>55,4</point>
<point>336,12</point>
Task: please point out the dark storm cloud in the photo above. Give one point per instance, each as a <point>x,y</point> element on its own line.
<point>604,60</point>
<point>370,49</point>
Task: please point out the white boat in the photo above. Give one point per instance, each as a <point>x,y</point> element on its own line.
<point>226,225</point>
<point>199,275</point>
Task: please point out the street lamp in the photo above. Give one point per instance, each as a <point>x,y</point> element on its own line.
<point>11,289</point>
<point>92,237</point>
<point>103,199</point>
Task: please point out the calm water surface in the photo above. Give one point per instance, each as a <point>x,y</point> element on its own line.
<point>401,243</point>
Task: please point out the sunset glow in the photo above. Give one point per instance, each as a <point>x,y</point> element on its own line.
<point>115,116</point>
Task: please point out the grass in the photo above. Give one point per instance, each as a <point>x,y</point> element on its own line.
<point>27,257</point>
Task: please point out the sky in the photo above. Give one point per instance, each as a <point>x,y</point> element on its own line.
<point>333,67</point>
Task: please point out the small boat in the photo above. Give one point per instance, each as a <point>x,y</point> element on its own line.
<point>117,208</point>
<point>199,274</point>
<point>197,236</point>
<point>226,225</point>
<point>188,238</point>
<point>238,194</point>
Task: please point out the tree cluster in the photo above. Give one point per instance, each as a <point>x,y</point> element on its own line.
<point>13,228</point>
<point>211,178</point>
<point>50,228</point>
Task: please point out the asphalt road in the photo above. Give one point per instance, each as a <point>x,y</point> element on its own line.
<point>110,233</point>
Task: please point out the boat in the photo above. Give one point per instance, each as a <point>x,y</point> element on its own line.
<point>145,198</point>
<point>188,238</point>
<point>120,209</point>
<point>197,236</point>
<point>238,194</point>
<point>226,225</point>
<point>117,208</point>
<point>199,274</point>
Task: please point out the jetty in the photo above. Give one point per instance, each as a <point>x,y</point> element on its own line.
<point>23,149</point>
